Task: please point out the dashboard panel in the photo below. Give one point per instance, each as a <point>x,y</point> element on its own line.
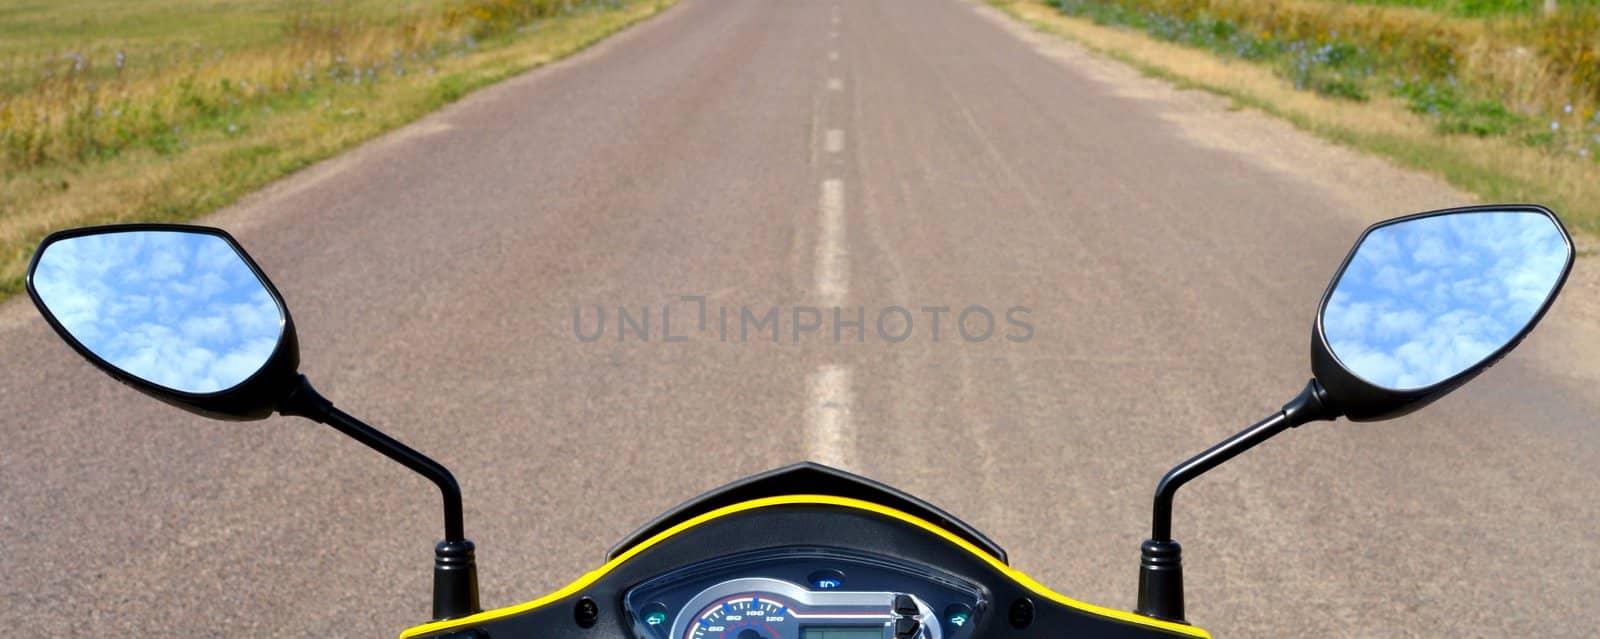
<point>805,593</point>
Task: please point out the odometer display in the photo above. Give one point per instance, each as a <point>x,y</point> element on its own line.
<point>841,632</point>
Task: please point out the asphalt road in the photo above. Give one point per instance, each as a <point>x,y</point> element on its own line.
<point>779,154</point>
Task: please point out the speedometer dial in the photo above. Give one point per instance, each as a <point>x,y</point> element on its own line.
<point>741,617</point>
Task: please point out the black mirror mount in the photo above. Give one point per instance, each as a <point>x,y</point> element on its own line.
<point>1161,558</point>
<point>455,572</point>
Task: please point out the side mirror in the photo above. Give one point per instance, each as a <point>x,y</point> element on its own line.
<point>1422,304</point>
<point>180,313</point>
<point>183,314</point>
<point>1426,302</point>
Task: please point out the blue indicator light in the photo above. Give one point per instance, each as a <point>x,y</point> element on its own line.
<point>703,622</point>
<point>826,580</point>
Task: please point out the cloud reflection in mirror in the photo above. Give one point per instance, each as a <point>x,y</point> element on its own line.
<point>180,309</point>
<point>1426,299</point>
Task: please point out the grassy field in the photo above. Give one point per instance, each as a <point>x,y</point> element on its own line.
<point>163,110</point>
<point>1504,106</point>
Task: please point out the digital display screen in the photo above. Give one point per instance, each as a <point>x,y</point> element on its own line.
<point>841,632</point>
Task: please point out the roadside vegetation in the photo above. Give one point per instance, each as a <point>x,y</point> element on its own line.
<point>166,109</point>
<point>1494,95</point>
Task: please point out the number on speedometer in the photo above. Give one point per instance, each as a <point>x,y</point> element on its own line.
<point>740,617</point>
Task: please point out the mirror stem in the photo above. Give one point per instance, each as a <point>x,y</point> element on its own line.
<point>1161,564</point>
<point>455,572</point>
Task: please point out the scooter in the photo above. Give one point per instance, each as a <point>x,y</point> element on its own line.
<point>1421,305</point>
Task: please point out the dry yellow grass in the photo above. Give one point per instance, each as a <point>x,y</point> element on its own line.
<point>1529,62</point>
<point>1496,169</point>
<point>1532,61</point>
<point>220,161</point>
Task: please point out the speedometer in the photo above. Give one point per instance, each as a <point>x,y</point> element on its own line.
<point>745,616</point>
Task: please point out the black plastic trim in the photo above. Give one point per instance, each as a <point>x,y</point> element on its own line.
<point>1361,401</point>
<point>808,478</point>
<point>254,398</point>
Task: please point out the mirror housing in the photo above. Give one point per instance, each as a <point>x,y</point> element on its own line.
<point>1359,399</point>
<point>256,397</point>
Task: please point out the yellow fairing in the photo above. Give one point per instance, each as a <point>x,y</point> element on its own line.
<point>802,500</point>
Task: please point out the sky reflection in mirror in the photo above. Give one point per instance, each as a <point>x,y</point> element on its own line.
<point>1426,299</point>
<point>179,309</point>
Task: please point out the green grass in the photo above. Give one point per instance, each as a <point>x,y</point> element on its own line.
<point>40,36</point>
<point>1455,113</point>
<point>1479,8</point>
<point>32,27</point>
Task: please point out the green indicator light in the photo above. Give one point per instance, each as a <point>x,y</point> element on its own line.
<point>958,619</point>
<point>655,618</point>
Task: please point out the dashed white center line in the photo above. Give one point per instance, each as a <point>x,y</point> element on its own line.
<point>829,438</point>
<point>833,263</point>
